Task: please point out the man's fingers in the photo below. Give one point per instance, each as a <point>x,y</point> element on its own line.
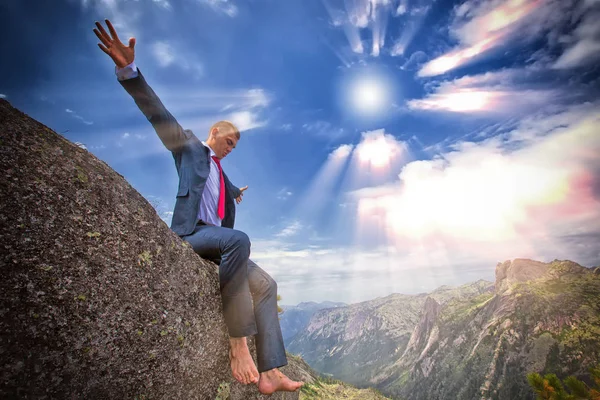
<point>105,42</point>
<point>244,188</point>
<point>132,42</point>
<point>112,30</point>
<point>105,36</point>
<point>103,48</point>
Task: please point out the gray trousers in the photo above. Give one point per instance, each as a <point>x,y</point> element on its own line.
<point>248,293</point>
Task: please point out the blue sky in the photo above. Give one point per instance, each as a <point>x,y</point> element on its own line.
<point>388,145</point>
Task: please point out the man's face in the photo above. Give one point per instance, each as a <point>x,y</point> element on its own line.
<point>225,141</point>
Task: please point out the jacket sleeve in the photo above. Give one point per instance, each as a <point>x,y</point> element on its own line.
<point>234,190</point>
<point>166,126</point>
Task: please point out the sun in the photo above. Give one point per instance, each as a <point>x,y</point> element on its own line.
<point>367,93</point>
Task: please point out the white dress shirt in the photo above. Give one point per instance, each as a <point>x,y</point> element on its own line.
<point>209,204</point>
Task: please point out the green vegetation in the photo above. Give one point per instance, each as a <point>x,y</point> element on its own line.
<point>549,387</point>
<point>332,389</point>
<point>145,258</point>
<point>223,391</point>
<point>458,309</point>
<point>80,175</point>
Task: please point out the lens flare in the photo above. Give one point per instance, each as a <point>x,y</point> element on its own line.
<point>367,93</point>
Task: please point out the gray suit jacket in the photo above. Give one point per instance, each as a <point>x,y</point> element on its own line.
<point>192,159</point>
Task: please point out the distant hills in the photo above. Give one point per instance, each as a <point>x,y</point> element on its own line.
<point>295,318</point>
<point>474,341</point>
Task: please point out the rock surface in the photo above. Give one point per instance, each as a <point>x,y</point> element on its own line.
<point>98,297</point>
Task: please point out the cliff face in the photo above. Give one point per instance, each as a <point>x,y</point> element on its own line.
<point>426,328</point>
<point>98,297</point>
<point>353,342</point>
<point>358,343</point>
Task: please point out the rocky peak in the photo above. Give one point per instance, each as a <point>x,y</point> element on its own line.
<point>518,270</point>
<point>524,270</point>
<point>422,333</point>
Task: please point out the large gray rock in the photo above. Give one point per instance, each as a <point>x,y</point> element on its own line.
<point>98,297</point>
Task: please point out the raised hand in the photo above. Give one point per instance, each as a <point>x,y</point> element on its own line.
<point>239,198</point>
<point>122,55</point>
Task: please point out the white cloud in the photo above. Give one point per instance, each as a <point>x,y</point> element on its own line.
<point>254,98</point>
<point>284,194</point>
<point>290,230</point>
<point>584,46</point>
<point>402,8</point>
<point>76,116</point>
<point>341,152</point>
<point>363,14</point>
<point>482,26</point>
<point>352,274</point>
<point>199,109</point>
<point>163,3</point>
<point>246,120</point>
<point>523,193</point>
<point>163,53</point>
<point>499,92</point>
<point>414,61</point>
<point>125,135</point>
<point>2,96</point>
<point>214,100</point>
<point>378,148</point>
<point>167,54</point>
<point>411,27</point>
<point>225,6</point>
<point>324,129</point>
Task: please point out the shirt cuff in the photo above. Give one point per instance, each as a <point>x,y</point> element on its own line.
<point>127,72</point>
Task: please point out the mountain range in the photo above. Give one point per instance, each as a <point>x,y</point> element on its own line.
<point>478,340</point>
<point>295,318</point>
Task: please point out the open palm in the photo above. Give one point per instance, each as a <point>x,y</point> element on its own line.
<point>111,44</point>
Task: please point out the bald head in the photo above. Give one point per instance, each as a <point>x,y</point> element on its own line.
<point>222,138</point>
<point>224,127</point>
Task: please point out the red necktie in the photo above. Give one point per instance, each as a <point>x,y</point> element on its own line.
<point>221,210</point>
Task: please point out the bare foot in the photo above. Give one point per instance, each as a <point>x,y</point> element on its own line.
<point>274,381</point>
<point>242,364</point>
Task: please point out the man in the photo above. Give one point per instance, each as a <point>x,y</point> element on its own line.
<point>204,216</point>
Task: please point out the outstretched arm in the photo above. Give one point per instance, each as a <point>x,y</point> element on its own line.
<point>166,126</point>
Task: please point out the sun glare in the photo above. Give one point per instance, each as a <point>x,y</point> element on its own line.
<point>376,151</point>
<point>367,94</point>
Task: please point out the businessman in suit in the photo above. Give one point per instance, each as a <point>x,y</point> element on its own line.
<point>204,216</point>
